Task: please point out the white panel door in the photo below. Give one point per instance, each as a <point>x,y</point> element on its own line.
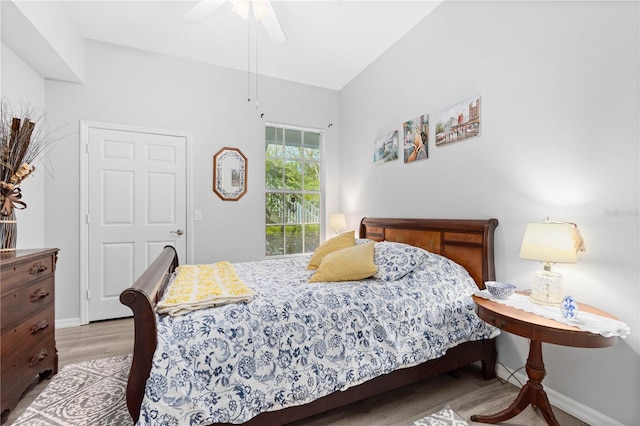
<point>136,206</point>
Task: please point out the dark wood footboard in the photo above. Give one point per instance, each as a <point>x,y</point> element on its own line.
<point>142,299</point>
<point>468,242</point>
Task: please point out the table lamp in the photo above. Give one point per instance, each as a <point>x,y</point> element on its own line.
<point>337,221</point>
<point>550,242</point>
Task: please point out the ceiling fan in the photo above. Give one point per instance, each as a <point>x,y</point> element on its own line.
<point>261,10</point>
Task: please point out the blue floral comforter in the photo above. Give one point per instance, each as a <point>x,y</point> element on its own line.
<point>296,341</point>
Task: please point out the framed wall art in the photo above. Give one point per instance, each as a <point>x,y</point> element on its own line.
<point>385,148</point>
<point>416,138</point>
<point>230,174</point>
<point>459,122</point>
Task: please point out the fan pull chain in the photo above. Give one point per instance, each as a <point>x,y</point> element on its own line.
<point>257,73</point>
<point>248,60</point>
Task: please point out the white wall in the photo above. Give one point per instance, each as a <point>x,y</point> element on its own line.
<point>559,83</point>
<point>133,87</point>
<point>559,87</point>
<point>23,87</point>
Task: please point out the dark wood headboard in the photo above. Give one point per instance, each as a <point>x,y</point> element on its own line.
<point>467,242</point>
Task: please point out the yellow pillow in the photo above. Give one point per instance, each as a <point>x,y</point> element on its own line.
<point>344,240</point>
<point>349,264</point>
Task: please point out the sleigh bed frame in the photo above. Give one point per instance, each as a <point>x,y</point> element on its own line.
<point>467,242</point>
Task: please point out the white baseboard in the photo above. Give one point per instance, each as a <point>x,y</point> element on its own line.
<point>68,322</point>
<point>568,405</point>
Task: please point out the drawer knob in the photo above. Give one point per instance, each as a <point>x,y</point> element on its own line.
<point>37,357</point>
<point>37,268</point>
<point>40,293</point>
<point>40,325</point>
<point>501,324</point>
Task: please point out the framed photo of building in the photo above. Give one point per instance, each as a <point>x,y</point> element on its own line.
<point>385,148</point>
<point>459,122</point>
<point>416,139</point>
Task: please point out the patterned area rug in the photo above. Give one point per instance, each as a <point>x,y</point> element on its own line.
<point>87,393</point>
<point>93,393</point>
<point>444,417</point>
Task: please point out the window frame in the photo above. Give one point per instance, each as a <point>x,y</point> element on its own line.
<point>298,192</point>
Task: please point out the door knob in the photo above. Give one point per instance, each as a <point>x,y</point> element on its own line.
<point>178,232</point>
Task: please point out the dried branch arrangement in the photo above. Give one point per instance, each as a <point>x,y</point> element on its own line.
<point>21,141</point>
<point>20,145</point>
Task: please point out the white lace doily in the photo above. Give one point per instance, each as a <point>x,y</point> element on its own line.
<point>587,321</point>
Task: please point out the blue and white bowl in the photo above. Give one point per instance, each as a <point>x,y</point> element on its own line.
<point>499,289</point>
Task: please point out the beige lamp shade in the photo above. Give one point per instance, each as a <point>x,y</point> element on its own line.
<point>550,242</point>
<point>337,221</point>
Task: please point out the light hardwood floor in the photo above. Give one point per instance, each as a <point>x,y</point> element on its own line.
<point>467,394</point>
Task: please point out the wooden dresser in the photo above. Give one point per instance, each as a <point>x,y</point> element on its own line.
<point>27,284</point>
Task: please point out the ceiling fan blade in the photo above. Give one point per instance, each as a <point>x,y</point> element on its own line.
<point>272,26</point>
<point>201,10</point>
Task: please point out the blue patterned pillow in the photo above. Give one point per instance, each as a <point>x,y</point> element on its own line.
<point>395,260</point>
<point>363,241</point>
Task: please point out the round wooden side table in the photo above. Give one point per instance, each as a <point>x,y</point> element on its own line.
<point>538,330</point>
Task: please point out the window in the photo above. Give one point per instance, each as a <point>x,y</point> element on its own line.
<point>293,190</point>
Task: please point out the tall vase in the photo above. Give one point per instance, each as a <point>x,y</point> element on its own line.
<point>8,232</point>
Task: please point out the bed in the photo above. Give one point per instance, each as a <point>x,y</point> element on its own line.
<point>468,243</point>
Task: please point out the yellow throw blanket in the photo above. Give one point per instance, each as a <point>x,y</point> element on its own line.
<point>202,286</point>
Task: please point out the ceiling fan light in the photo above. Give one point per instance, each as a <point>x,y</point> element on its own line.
<point>260,9</point>
<point>241,7</point>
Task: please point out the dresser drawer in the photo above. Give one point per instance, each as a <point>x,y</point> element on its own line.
<point>36,328</point>
<point>35,357</point>
<point>18,274</point>
<point>25,302</point>
<point>19,373</point>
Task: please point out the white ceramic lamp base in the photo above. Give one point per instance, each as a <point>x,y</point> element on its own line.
<point>547,288</point>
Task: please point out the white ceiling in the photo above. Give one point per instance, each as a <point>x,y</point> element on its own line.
<point>329,42</point>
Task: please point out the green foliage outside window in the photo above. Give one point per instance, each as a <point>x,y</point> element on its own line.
<point>292,184</point>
